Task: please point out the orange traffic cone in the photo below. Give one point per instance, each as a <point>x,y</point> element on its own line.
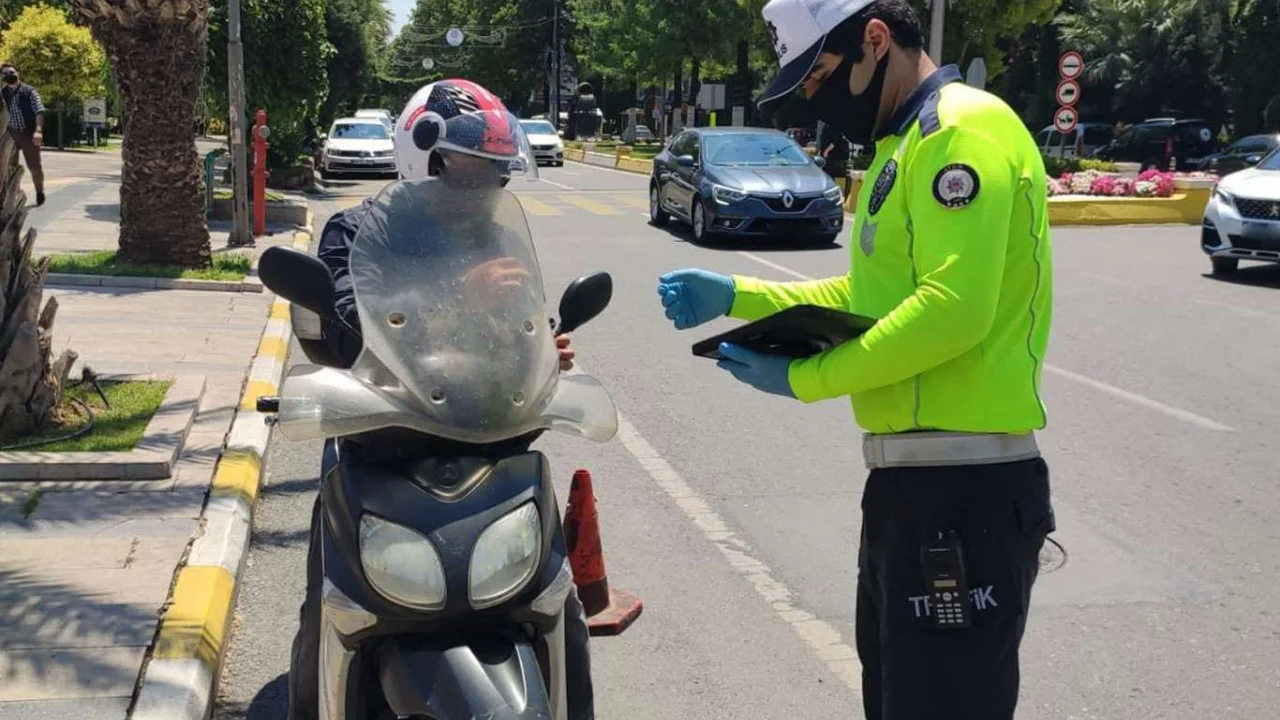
<point>609,612</point>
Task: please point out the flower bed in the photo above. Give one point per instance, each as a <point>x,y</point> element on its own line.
<point>1150,184</point>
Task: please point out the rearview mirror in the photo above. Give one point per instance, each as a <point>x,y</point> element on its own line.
<point>583,300</point>
<point>300,278</point>
<point>819,161</point>
<point>686,161</point>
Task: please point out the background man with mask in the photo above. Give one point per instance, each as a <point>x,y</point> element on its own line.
<point>26,123</point>
<point>951,253</point>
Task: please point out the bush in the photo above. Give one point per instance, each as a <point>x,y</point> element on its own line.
<point>1054,166</point>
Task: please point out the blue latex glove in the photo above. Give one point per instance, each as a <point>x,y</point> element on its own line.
<point>769,373</point>
<point>694,297</point>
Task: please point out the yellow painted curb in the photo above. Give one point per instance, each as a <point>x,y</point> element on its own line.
<point>634,165</point>
<point>273,347</point>
<point>239,475</point>
<point>1184,208</point>
<point>195,624</point>
<point>574,154</point>
<point>280,310</point>
<point>255,389</point>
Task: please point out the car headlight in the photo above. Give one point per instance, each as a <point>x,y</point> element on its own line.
<point>401,564</point>
<point>1224,197</point>
<point>727,195</point>
<point>834,194</point>
<point>385,153</point>
<point>505,556</point>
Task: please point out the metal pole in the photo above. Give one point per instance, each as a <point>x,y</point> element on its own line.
<point>555,48</point>
<point>241,234</point>
<point>936,30</point>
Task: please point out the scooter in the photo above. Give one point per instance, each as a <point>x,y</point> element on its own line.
<point>445,575</point>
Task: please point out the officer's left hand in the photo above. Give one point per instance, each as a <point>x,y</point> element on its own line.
<point>769,373</point>
<point>567,353</point>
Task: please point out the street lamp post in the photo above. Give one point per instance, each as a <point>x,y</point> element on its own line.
<point>937,21</point>
<point>241,234</point>
<point>555,65</point>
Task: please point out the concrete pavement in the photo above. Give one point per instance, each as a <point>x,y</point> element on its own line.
<point>735,515</point>
<point>86,568</point>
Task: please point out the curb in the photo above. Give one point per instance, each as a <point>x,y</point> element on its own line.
<point>251,284</point>
<point>179,681</point>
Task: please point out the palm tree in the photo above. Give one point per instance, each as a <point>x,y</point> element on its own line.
<point>157,49</point>
<point>30,383</point>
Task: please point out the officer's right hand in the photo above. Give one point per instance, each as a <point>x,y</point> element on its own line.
<point>693,297</point>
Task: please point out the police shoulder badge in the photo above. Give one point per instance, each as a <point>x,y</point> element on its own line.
<point>956,186</point>
<point>884,183</point>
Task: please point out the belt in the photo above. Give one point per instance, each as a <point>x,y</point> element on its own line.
<point>933,449</point>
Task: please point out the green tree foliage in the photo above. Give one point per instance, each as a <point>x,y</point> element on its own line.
<point>61,60</point>
<point>11,9</point>
<point>1255,55</point>
<point>287,52</point>
<point>358,31</point>
<point>505,47</point>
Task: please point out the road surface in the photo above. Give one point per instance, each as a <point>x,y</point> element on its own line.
<point>735,514</point>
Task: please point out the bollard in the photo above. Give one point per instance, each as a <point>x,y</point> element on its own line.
<point>260,134</point>
<point>210,182</point>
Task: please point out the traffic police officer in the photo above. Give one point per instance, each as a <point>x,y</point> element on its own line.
<point>951,253</point>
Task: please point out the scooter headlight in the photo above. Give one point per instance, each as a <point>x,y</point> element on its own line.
<point>401,564</point>
<point>505,556</point>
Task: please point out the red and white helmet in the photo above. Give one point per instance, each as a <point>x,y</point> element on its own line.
<point>460,116</point>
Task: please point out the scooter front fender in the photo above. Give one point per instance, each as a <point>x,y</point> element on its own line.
<point>495,678</point>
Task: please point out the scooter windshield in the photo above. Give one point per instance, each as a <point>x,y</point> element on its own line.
<point>457,340</point>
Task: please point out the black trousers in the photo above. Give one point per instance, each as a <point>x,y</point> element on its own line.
<point>304,669</point>
<point>911,669</point>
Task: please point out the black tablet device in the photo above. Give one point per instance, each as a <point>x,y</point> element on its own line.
<point>797,332</point>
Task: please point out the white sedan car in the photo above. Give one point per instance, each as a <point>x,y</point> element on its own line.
<point>359,145</point>
<point>546,142</point>
<point>1242,221</point>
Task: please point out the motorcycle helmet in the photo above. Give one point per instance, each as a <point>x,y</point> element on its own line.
<point>458,125</point>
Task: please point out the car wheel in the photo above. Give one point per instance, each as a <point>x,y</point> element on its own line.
<point>1224,266</point>
<point>657,216</point>
<point>700,232</point>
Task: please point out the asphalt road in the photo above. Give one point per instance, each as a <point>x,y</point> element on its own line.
<point>735,514</point>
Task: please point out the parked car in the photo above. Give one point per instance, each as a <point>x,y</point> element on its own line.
<point>642,134</point>
<point>1150,142</point>
<point>1082,142</point>
<point>744,182</point>
<point>384,115</point>
<point>358,145</point>
<point>1242,220</point>
<point>1243,153</point>
<point>546,142</point>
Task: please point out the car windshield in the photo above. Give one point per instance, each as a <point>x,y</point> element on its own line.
<point>753,149</point>
<point>1271,161</point>
<point>360,131</point>
<point>538,128</point>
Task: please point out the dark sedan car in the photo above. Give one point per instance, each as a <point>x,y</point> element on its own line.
<point>744,182</point>
<point>1241,154</point>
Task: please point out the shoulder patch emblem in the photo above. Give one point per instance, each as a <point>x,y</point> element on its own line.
<point>956,186</point>
<point>884,183</point>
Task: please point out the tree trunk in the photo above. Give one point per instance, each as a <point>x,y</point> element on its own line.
<point>30,383</point>
<point>157,49</point>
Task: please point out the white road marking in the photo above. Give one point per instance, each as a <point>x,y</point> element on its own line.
<point>1178,413</point>
<point>774,265</point>
<point>553,182</point>
<point>819,636</point>
<point>1169,410</point>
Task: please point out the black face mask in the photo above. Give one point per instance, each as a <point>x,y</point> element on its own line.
<point>853,115</point>
<point>11,78</point>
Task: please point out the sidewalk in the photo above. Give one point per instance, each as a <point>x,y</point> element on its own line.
<point>86,568</point>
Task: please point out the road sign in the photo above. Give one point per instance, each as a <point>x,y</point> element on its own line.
<point>1066,119</point>
<point>739,116</point>
<point>711,96</point>
<point>1068,93</point>
<point>453,37</point>
<point>428,64</point>
<point>1071,66</point>
<point>95,112</point>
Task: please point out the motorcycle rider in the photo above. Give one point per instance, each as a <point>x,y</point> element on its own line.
<point>459,133</point>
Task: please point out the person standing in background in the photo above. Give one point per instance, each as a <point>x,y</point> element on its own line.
<point>26,123</point>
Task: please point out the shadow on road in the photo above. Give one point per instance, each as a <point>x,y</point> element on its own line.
<point>682,233</point>
<point>271,703</point>
<point>1266,276</point>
